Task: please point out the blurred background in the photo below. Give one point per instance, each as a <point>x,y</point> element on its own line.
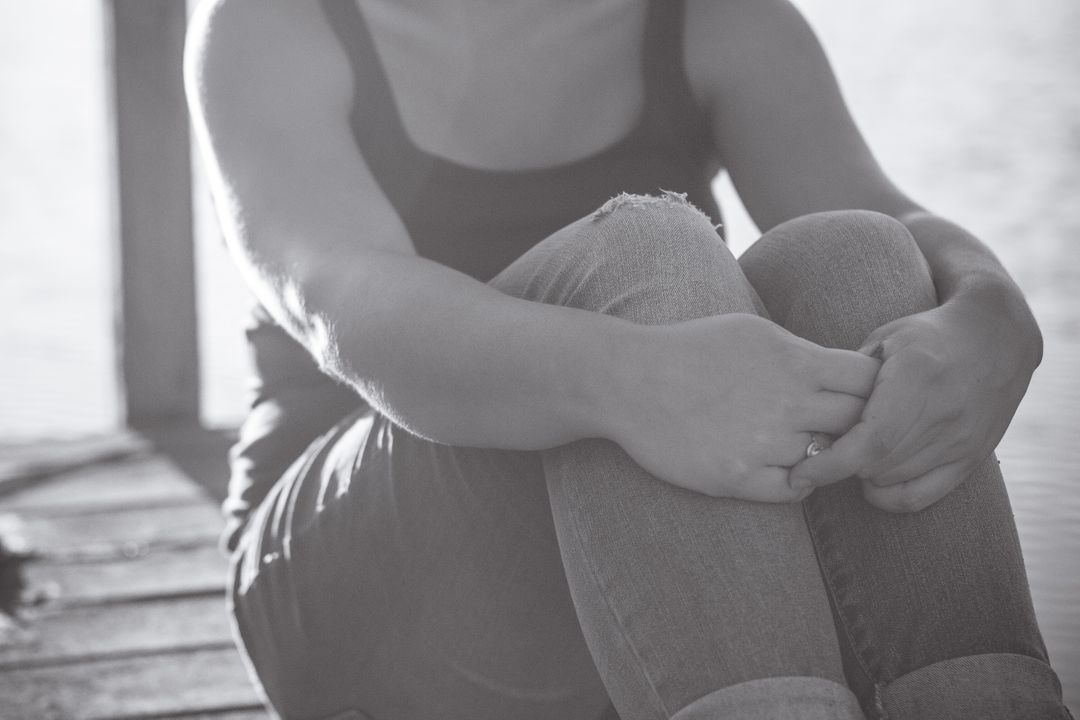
<point>972,107</point>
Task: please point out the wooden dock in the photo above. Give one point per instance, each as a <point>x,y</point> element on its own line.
<point>122,611</point>
<point>122,615</point>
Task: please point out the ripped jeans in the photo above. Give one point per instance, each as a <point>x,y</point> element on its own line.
<point>392,578</point>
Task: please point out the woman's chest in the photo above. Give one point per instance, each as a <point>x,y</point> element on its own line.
<point>513,86</point>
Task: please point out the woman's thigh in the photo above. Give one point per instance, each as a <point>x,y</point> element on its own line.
<point>692,606</point>
<point>407,579</point>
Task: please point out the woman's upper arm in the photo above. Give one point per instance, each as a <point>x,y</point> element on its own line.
<point>779,120</point>
<point>270,92</point>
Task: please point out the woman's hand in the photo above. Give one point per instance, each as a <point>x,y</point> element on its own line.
<point>725,405</point>
<point>950,382</point>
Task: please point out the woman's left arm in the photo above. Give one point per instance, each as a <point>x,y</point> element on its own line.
<point>952,377</point>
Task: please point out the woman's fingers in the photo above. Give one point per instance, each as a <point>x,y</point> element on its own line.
<point>847,371</point>
<point>849,453</point>
<point>789,450</point>
<point>899,467</point>
<point>770,484</point>
<point>833,413</point>
<point>919,493</point>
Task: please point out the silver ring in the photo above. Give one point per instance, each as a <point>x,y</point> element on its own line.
<point>814,447</point>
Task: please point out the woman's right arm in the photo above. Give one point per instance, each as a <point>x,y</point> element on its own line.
<point>442,354</point>
<point>325,253</point>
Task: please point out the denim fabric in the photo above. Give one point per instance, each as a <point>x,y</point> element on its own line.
<point>995,685</point>
<point>800,698</point>
<point>909,590</point>
<point>406,579</point>
<point>678,594</point>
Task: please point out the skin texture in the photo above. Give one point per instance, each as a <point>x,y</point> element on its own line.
<point>952,377</point>
<point>455,361</point>
<point>739,436</point>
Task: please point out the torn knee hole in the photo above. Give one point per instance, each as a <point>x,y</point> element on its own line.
<point>666,198</point>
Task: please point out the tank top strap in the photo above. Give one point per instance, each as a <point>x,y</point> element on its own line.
<point>671,108</point>
<point>352,32</point>
<point>376,122</point>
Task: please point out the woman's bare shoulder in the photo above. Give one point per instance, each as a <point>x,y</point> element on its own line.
<point>270,91</point>
<point>732,43</point>
<point>233,19</point>
<point>263,51</point>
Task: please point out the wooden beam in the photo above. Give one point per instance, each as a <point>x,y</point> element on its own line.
<point>156,319</point>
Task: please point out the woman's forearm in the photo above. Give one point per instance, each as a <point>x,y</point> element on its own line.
<point>456,361</point>
<point>959,262</point>
<point>966,271</point>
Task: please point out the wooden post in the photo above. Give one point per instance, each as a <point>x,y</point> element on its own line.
<point>156,317</point>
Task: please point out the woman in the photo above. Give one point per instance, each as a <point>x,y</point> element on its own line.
<point>574,452</point>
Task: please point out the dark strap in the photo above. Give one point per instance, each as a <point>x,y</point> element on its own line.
<point>353,34</point>
<point>376,123</point>
<point>670,103</point>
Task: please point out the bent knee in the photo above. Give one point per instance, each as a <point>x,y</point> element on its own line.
<point>860,241</point>
<point>650,259</point>
<point>663,255</point>
<point>664,228</point>
<point>838,258</point>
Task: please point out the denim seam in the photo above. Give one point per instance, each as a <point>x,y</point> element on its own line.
<point>618,620</point>
<point>820,550</point>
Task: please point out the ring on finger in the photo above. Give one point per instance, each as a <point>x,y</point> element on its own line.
<point>815,446</point>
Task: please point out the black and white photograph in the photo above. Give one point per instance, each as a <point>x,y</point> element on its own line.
<point>539,359</point>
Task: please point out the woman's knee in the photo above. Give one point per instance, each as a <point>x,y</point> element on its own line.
<point>650,259</point>
<point>846,265</point>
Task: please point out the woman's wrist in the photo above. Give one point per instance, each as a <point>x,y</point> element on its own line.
<point>999,306</point>
<point>971,281</point>
<point>608,377</point>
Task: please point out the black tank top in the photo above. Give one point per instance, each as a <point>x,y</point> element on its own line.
<point>479,221</point>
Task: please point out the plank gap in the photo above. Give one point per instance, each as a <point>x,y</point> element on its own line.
<point>74,511</point>
<point>225,712</point>
<point>89,659</point>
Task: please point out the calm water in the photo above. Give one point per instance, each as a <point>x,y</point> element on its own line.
<point>975,112</point>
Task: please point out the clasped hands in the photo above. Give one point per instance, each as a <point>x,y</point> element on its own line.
<point>950,381</point>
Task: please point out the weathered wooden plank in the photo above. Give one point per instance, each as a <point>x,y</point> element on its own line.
<point>27,465</point>
<point>176,683</point>
<point>259,714</point>
<point>69,450</point>
<point>189,572</point>
<point>133,529</point>
<point>158,336</point>
<point>53,635</point>
<point>148,479</point>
